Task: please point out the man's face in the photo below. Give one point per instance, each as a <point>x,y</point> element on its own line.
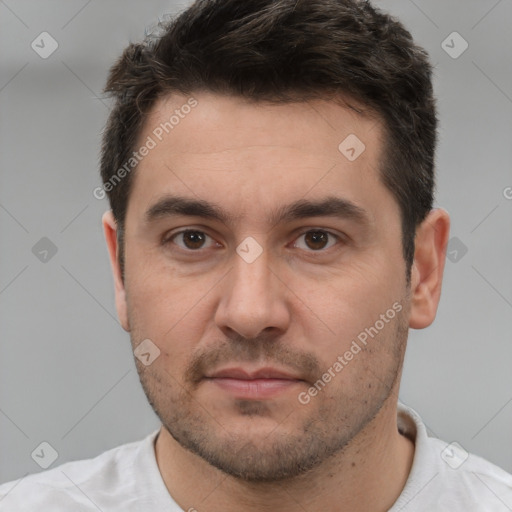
<point>250,311</point>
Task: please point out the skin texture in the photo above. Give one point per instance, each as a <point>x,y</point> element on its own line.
<point>297,307</point>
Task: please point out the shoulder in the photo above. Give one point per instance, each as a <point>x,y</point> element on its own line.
<point>480,481</point>
<point>445,477</point>
<point>73,484</point>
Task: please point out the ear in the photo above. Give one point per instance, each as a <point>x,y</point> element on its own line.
<point>428,266</point>
<point>110,230</point>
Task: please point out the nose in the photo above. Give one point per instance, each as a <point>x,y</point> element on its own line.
<point>253,299</point>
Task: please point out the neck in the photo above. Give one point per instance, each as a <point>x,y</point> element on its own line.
<point>368,475</point>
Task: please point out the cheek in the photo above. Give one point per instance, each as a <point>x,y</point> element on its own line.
<point>156,293</point>
<point>365,364</point>
<point>170,311</point>
<point>354,298</point>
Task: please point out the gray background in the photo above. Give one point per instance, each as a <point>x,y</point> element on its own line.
<point>67,374</point>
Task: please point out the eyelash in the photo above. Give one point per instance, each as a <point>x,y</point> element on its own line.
<point>168,240</point>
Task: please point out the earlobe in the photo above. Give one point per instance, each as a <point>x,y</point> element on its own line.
<point>110,231</point>
<point>427,270</point>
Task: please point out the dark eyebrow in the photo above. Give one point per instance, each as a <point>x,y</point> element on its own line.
<point>170,206</point>
<point>330,206</point>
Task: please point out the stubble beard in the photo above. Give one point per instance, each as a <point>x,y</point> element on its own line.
<point>287,451</point>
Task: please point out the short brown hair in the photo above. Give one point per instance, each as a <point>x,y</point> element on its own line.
<point>284,51</point>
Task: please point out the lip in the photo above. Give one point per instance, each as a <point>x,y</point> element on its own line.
<point>260,373</point>
<point>254,384</point>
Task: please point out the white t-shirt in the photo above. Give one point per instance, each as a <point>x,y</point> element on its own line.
<point>127,479</point>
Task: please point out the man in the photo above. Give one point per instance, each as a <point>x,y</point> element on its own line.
<point>270,169</point>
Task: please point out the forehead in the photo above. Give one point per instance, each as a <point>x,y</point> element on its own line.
<point>255,155</point>
<point>303,124</point>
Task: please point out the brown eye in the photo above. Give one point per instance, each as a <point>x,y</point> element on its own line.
<point>190,239</point>
<point>316,240</point>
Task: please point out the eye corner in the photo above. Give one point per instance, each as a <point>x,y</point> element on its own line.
<point>168,239</point>
<point>339,239</point>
